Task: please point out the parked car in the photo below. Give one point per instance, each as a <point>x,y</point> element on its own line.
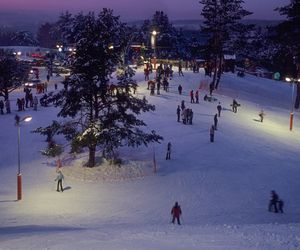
<point>61,70</point>
<point>32,83</point>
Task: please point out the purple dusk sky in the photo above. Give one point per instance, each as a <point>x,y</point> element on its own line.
<point>140,9</point>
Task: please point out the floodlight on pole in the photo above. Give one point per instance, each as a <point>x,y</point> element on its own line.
<point>154,34</point>
<point>27,118</point>
<point>293,82</point>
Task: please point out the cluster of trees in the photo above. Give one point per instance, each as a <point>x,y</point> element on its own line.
<point>17,38</point>
<point>275,47</point>
<point>99,114</point>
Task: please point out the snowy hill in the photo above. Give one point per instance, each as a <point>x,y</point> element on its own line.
<point>223,187</point>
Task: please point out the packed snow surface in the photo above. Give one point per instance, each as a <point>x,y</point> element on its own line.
<point>223,187</point>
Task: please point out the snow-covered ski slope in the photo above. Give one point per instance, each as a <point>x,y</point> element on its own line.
<point>223,187</point>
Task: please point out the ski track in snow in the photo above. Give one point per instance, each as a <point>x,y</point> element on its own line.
<point>222,187</point>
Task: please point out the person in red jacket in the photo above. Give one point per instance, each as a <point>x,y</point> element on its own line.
<point>176,212</point>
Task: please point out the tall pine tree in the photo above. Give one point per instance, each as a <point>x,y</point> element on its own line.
<point>222,22</point>
<point>13,73</point>
<point>102,114</point>
<point>288,36</point>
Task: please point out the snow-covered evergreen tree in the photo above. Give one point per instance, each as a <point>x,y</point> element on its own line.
<point>103,114</point>
<point>12,73</point>
<point>221,21</point>
<point>287,36</point>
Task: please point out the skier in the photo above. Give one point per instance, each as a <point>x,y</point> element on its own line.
<point>184,115</point>
<point>1,107</point>
<point>27,92</point>
<point>191,115</point>
<point>182,105</point>
<point>19,104</point>
<point>158,87</point>
<point>178,113</point>
<point>192,96</point>
<point>212,133</point>
<point>7,106</point>
<point>176,213</point>
<point>216,121</point>
<point>166,84</point>
<point>273,201</point>
<point>179,89</point>
<point>35,103</point>
<point>219,108</point>
<point>146,73</point>
<point>261,115</point>
<point>23,104</point>
<point>197,96</point>
<point>59,179</point>
<point>168,156</point>
<point>180,69</point>
<point>31,100</point>
<point>234,105</point>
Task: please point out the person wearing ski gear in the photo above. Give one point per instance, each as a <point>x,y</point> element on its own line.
<point>35,103</point>
<point>176,213</point>
<point>178,113</point>
<point>7,106</point>
<point>59,180</point>
<point>216,121</point>
<point>261,115</point>
<point>180,73</point>
<point>192,96</point>
<point>234,105</point>
<point>219,108</point>
<point>146,73</point>
<point>182,105</point>
<point>179,89</point>
<point>197,96</point>
<point>191,115</point>
<point>19,104</point>
<point>168,156</point>
<point>273,201</point>
<point>212,133</point>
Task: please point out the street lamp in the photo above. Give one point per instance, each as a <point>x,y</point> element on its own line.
<point>293,82</point>
<point>19,175</point>
<point>153,45</point>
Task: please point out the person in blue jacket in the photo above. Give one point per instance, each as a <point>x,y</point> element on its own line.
<point>59,180</point>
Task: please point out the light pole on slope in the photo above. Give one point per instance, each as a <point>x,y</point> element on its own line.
<point>19,175</point>
<point>293,82</point>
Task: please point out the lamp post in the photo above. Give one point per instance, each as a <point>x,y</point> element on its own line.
<point>153,45</point>
<point>293,82</point>
<point>19,175</point>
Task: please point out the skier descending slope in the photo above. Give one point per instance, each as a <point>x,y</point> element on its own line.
<point>176,213</point>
